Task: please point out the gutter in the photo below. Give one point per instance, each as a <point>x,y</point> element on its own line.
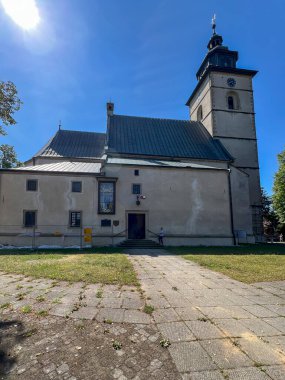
<point>231,205</point>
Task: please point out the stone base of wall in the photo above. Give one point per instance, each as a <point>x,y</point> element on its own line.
<point>21,241</point>
<point>198,241</point>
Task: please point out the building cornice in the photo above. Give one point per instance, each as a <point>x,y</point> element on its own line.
<point>226,70</point>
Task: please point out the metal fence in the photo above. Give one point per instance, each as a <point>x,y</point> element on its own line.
<point>59,236</point>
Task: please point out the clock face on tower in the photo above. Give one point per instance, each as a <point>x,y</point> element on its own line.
<point>231,82</point>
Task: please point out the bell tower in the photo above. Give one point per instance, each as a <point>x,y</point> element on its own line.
<point>223,102</point>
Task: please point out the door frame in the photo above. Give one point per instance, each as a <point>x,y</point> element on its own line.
<point>136,212</point>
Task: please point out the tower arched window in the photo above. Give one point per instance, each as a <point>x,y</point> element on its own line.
<point>231,105</point>
<point>200,113</point>
<point>233,101</point>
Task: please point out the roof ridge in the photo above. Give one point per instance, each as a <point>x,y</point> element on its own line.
<point>155,118</point>
<point>73,130</point>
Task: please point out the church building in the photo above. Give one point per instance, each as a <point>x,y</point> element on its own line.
<point>196,178</point>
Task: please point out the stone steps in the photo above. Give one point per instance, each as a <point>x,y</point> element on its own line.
<point>139,244</point>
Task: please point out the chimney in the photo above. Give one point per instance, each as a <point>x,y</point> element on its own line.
<point>110,109</point>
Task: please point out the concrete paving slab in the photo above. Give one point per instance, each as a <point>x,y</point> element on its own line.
<point>176,331</point>
<point>277,342</point>
<point>87,312</point>
<point>112,315</point>
<point>259,327</point>
<point>278,309</point>
<point>225,354</point>
<point>189,313</point>
<point>233,327</point>
<point>278,323</point>
<point>204,375</point>
<point>260,311</point>
<point>166,315</point>
<point>204,330</point>
<point>275,372</point>
<point>259,351</point>
<point>246,374</point>
<point>191,357</point>
<point>135,316</point>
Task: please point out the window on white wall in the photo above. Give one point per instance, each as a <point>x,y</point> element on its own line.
<point>30,218</point>
<point>106,198</point>
<point>233,101</point>
<point>200,113</point>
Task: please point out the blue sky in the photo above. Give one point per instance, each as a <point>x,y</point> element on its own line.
<point>143,55</point>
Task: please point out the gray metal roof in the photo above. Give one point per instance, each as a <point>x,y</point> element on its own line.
<point>74,144</point>
<point>64,166</point>
<point>164,138</point>
<point>158,163</point>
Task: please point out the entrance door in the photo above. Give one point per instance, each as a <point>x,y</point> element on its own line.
<point>136,226</point>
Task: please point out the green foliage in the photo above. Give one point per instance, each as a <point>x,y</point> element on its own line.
<point>117,345</point>
<point>148,309</point>
<point>270,219</point>
<point>165,343</point>
<point>26,309</point>
<point>248,268</point>
<point>8,157</point>
<point>9,104</point>
<point>90,268</point>
<point>279,189</point>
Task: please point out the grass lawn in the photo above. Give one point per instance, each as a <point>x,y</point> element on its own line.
<point>248,263</point>
<point>100,267</point>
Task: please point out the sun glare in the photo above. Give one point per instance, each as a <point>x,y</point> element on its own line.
<point>24,13</point>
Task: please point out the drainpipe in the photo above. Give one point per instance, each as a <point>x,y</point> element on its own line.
<point>231,205</point>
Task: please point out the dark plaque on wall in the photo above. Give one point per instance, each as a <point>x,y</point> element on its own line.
<point>116,223</point>
<point>106,223</point>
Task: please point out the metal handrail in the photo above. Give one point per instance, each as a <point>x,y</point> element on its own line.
<point>120,232</point>
<point>152,232</point>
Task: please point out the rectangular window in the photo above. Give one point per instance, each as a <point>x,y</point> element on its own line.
<point>136,188</point>
<point>75,219</point>
<point>106,197</point>
<point>137,172</point>
<point>30,218</point>
<point>76,186</point>
<point>32,185</point>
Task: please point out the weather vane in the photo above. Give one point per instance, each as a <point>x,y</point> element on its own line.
<point>214,24</point>
<point>59,125</point>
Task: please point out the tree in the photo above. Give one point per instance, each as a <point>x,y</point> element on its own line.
<point>9,104</point>
<point>279,189</point>
<point>8,157</point>
<point>270,219</point>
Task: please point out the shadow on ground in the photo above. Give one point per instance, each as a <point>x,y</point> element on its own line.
<point>11,334</point>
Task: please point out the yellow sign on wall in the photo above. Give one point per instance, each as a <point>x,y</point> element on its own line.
<point>87,231</point>
<point>88,235</point>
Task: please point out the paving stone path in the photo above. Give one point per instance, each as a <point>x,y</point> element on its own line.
<point>219,328</point>
<point>57,330</point>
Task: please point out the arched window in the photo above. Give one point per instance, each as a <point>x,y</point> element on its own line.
<point>231,105</point>
<point>233,100</point>
<point>200,113</point>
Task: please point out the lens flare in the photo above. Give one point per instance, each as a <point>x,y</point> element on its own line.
<point>24,13</point>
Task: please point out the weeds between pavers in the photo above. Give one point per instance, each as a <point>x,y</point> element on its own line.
<point>165,343</point>
<point>148,309</point>
<point>26,309</point>
<point>117,345</point>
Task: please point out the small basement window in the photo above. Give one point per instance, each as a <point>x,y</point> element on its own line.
<point>137,172</point>
<point>32,185</point>
<point>75,219</point>
<point>136,188</point>
<point>76,186</point>
<point>30,218</point>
